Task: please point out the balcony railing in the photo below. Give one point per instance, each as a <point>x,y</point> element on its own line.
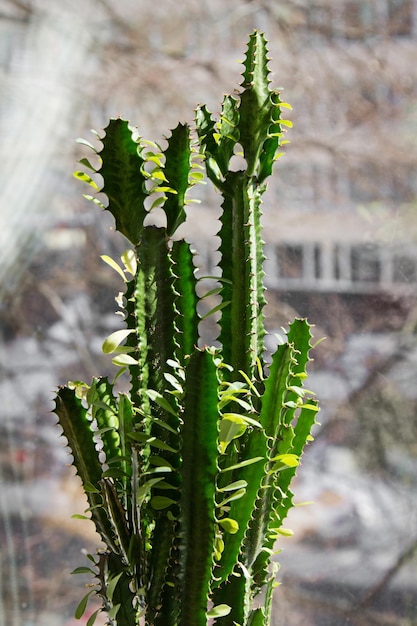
<point>342,267</point>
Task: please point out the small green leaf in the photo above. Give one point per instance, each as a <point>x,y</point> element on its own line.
<point>80,610</point>
<point>84,142</point>
<point>161,445</point>
<point>226,399</point>
<point>290,460</point>
<point>129,261</point>
<point>164,425</point>
<point>158,174</point>
<point>159,189</point>
<point>93,617</point>
<point>98,404</point>
<point>221,610</point>
<point>107,259</point>
<point>89,488</point>
<point>154,158</point>
<point>94,200</point>
<point>229,525</point>
<point>161,401</point>
<point>242,464</point>
<point>285,532</point>
<point>122,360</point>
<point>230,429</point>
<point>151,441</point>
<point>115,472</point>
<point>238,484</point>
<point>311,407</point>
<point>121,371</point>
<point>161,466</point>
<point>86,179</point>
<point>160,200</point>
<point>84,570</point>
<point>219,307</point>
<point>113,341</point>
<point>197,176</point>
<point>145,489</point>
<point>290,404</point>
<point>111,585</point>
<point>139,436</point>
<point>174,382</point>
<point>218,547</point>
<point>212,292</point>
<point>235,495</point>
<point>125,350</point>
<point>243,419</point>
<point>161,502</point>
<point>87,164</point>
<point>218,278</point>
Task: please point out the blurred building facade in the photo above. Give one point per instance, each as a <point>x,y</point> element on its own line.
<point>343,195</point>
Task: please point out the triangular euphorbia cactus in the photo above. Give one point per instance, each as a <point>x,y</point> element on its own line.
<point>188,475</point>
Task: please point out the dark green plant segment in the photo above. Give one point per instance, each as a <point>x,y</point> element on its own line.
<point>188,475</point>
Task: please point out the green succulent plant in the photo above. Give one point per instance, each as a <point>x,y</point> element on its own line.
<point>188,475</point>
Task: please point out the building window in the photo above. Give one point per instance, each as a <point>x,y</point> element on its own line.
<point>366,265</point>
<point>319,20</point>
<point>404,269</point>
<point>290,261</point>
<point>400,18</point>
<point>359,20</point>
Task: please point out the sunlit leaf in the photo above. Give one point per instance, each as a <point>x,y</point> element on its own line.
<point>114,611</point>
<point>161,401</point>
<point>235,495</point>
<point>124,359</point>
<point>242,464</point>
<point>229,525</point>
<point>129,261</point>
<point>84,142</point>
<point>285,532</point>
<point>291,460</point>
<point>238,484</point>
<point>114,265</point>
<point>86,179</point>
<point>115,339</point>
<point>174,382</point>
<point>229,430</point>
<point>243,419</point>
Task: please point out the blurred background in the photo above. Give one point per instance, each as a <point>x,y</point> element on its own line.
<point>341,239</point>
